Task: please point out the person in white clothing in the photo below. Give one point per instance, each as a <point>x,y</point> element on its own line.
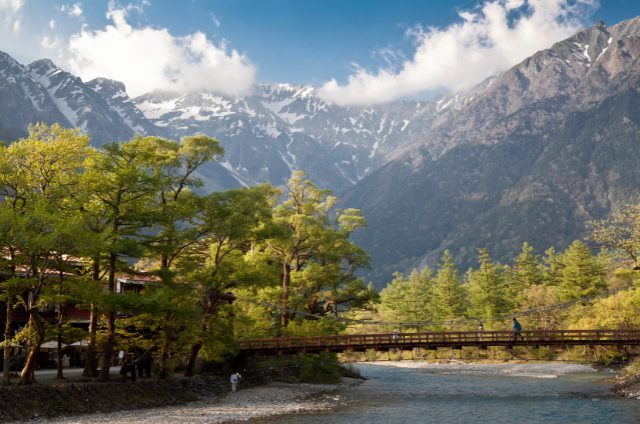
<point>235,377</point>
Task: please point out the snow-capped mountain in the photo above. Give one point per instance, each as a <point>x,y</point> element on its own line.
<point>266,135</point>
<point>81,106</point>
<point>24,100</point>
<point>115,94</point>
<point>281,127</point>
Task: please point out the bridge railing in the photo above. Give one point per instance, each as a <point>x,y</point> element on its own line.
<point>469,338</point>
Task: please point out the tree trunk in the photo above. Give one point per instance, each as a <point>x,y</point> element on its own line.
<point>90,364</point>
<point>195,348</point>
<point>59,374</point>
<point>6,380</point>
<point>59,364</point>
<point>35,324</point>
<point>164,354</point>
<point>111,323</point>
<point>284,296</point>
<point>191,362</point>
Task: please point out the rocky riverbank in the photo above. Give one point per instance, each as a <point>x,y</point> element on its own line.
<point>628,386</point>
<point>179,400</point>
<point>45,401</point>
<point>254,402</point>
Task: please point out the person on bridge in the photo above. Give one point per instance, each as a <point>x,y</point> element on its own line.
<point>480,331</point>
<point>517,329</point>
<point>395,335</point>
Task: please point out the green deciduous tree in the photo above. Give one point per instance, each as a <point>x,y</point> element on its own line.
<point>618,311</point>
<point>38,176</point>
<point>621,232</point>
<point>312,248</point>
<point>120,194</point>
<point>231,222</point>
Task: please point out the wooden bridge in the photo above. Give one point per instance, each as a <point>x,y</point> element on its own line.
<point>434,340</point>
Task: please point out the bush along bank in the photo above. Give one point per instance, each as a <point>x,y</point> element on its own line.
<point>323,368</point>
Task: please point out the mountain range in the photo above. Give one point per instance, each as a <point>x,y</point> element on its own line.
<point>531,154</point>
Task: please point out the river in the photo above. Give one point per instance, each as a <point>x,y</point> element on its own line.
<point>412,392</point>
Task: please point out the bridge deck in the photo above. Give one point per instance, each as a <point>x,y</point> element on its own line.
<point>434,340</point>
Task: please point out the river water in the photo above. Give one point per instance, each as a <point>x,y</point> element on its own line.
<point>411,392</point>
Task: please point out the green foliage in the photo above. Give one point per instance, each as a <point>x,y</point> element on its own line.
<point>450,295</point>
<point>540,297</point>
<point>409,299</point>
<point>621,232</point>
<point>489,292</point>
<point>322,368</point>
<point>321,327</point>
<point>618,311</point>
<point>311,247</point>
<point>71,217</point>
<point>582,274</point>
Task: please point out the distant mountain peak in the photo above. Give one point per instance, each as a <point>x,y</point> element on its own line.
<point>100,84</point>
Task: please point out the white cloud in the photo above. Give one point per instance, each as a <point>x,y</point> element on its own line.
<point>490,38</point>
<point>52,24</point>
<point>136,7</point>
<point>10,16</point>
<point>47,42</point>
<point>152,58</point>
<point>216,20</point>
<point>73,10</point>
<point>76,10</point>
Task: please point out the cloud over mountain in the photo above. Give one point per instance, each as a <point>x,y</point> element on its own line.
<point>150,58</point>
<point>488,39</point>
<point>10,14</point>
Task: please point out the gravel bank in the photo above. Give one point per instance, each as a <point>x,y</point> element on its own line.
<point>272,399</point>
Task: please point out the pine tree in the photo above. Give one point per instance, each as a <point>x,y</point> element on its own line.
<point>409,299</point>
<point>582,274</point>
<point>450,294</point>
<point>488,291</point>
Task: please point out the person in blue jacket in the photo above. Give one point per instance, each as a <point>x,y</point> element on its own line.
<point>517,329</point>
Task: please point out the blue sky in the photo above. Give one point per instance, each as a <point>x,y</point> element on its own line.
<point>353,51</point>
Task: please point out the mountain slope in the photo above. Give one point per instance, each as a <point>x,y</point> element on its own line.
<point>24,101</point>
<point>82,107</point>
<point>549,145</point>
